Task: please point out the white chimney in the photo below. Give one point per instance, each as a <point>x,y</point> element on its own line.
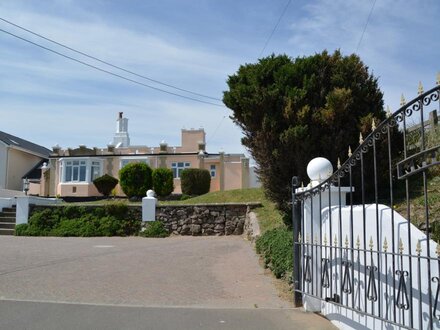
<point>121,138</point>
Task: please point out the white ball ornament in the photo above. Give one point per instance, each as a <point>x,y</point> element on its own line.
<point>319,169</point>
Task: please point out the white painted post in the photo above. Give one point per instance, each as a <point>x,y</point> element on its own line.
<point>149,206</point>
<point>319,169</point>
<point>22,209</point>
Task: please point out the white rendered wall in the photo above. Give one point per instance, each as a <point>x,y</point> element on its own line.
<point>23,203</point>
<point>6,202</point>
<point>345,318</point>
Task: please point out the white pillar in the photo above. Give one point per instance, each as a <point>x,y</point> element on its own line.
<point>319,169</point>
<point>149,207</point>
<point>22,215</point>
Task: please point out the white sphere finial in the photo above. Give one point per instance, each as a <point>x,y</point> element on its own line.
<point>319,169</point>
<point>150,193</point>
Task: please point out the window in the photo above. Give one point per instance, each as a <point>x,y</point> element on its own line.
<point>213,171</point>
<point>178,168</point>
<point>125,161</point>
<point>96,170</point>
<point>75,171</point>
<point>80,170</point>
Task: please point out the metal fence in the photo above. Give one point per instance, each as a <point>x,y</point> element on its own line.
<point>352,250</point>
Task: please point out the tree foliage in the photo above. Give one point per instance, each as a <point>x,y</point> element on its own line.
<point>292,110</point>
<point>163,183</point>
<point>135,179</point>
<point>105,184</point>
<point>195,181</point>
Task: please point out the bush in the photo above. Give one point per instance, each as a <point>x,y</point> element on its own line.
<point>163,183</point>
<point>292,110</point>
<point>135,179</point>
<point>155,229</point>
<point>46,219</point>
<point>195,181</point>
<point>105,184</point>
<point>276,248</point>
<point>112,220</point>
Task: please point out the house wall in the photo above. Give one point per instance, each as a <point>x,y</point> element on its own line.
<point>232,175</point>
<point>3,164</point>
<point>78,189</point>
<point>190,140</point>
<point>192,159</point>
<point>19,163</point>
<point>34,189</point>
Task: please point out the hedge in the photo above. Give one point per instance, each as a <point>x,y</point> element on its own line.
<point>163,182</point>
<point>195,181</point>
<point>275,246</point>
<point>111,220</point>
<point>135,179</point>
<point>105,184</point>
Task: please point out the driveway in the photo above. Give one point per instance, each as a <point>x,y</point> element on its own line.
<point>214,277</point>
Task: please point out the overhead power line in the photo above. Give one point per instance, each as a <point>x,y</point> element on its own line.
<point>275,27</point>
<point>107,63</point>
<point>109,72</point>
<point>365,27</point>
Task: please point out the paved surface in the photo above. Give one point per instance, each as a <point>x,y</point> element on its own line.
<point>138,283</point>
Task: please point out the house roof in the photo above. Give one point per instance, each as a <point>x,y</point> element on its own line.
<point>15,141</point>
<point>35,172</point>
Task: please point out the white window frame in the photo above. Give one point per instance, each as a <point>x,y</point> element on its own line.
<point>178,169</point>
<point>137,159</point>
<point>95,164</point>
<point>213,171</point>
<point>87,162</point>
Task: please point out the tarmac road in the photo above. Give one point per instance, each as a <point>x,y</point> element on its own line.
<point>139,283</point>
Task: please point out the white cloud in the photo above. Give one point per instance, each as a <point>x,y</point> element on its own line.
<point>397,44</point>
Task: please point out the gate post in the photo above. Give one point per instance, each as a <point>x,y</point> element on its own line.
<point>296,229</point>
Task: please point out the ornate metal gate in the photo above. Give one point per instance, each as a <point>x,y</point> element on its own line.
<point>353,251</point>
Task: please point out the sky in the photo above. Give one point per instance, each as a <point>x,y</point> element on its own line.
<point>193,45</point>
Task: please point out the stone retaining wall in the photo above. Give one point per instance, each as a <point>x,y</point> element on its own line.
<point>204,219</point>
<point>196,220</point>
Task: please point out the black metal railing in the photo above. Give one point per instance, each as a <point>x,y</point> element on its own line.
<point>366,258</point>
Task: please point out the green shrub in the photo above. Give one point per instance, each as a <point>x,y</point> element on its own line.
<point>46,219</point>
<point>112,220</point>
<point>155,229</point>
<point>163,183</point>
<point>185,197</point>
<point>67,228</point>
<point>105,184</point>
<point>276,248</point>
<point>21,229</point>
<point>195,181</point>
<point>72,211</point>
<point>135,179</point>
<point>118,210</point>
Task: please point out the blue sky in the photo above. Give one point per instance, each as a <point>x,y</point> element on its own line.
<point>194,45</point>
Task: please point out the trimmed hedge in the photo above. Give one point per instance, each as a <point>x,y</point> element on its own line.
<point>105,184</point>
<point>135,179</point>
<point>111,220</point>
<point>195,181</point>
<point>163,183</point>
<point>275,246</point>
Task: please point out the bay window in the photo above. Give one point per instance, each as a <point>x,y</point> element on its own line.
<point>80,170</point>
